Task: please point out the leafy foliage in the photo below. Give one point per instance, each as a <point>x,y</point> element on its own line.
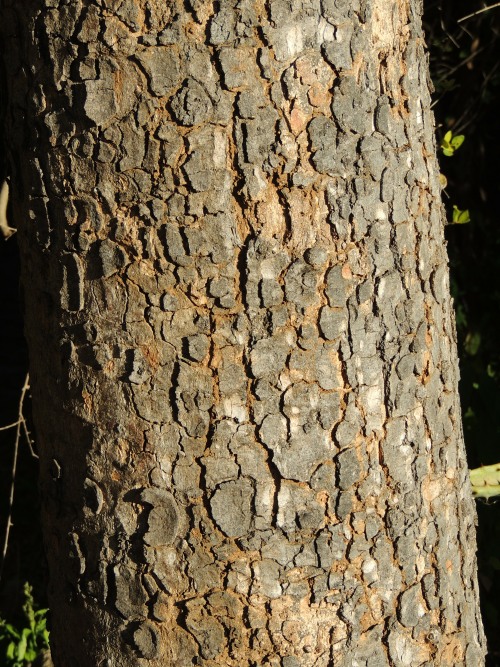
<point>20,646</point>
<point>450,143</point>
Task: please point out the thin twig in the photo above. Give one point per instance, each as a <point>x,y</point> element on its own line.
<point>460,64</point>
<point>448,34</point>
<point>6,428</point>
<point>28,439</point>
<point>479,11</point>
<point>19,424</point>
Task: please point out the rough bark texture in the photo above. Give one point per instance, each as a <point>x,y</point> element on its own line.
<point>242,346</point>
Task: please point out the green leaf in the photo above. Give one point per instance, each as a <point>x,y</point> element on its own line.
<point>10,651</point>
<point>460,217</point>
<point>23,643</point>
<point>11,631</point>
<point>40,612</point>
<point>450,144</point>
<point>485,481</point>
<point>31,654</point>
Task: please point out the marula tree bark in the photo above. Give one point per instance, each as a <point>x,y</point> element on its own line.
<point>242,349</point>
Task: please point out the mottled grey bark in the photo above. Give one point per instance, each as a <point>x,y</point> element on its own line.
<point>242,349</point>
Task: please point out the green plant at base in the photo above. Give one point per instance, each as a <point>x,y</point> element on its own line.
<point>22,646</point>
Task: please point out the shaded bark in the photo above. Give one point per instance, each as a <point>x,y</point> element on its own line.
<point>242,348</point>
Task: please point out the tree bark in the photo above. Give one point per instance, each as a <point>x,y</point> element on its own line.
<point>242,347</point>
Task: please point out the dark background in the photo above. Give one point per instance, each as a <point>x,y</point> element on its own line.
<point>465,68</point>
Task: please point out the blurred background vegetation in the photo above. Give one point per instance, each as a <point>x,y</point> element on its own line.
<point>465,69</point>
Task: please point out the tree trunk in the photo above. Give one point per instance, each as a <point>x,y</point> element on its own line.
<point>242,346</point>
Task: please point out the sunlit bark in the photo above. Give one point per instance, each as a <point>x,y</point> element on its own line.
<point>242,349</point>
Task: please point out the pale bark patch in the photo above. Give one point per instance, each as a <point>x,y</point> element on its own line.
<point>383,24</point>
